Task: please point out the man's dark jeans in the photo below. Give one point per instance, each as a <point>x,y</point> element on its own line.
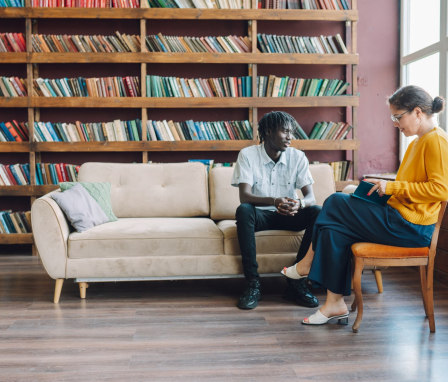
<point>250,220</point>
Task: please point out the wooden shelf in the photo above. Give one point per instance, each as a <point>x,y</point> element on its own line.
<point>178,102</point>
<point>27,190</point>
<point>173,13</point>
<point>196,58</point>
<point>230,145</point>
<point>14,147</point>
<point>16,238</point>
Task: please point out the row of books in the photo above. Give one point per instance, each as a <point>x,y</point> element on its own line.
<point>12,131</point>
<point>330,130</point>
<point>88,132</point>
<point>12,87</point>
<point>201,4</point>
<point>158,86</point>
<point>121,42</point>
<point>341,169</point>
<point>12,3</point>
<point>125,131</point>
<point>198,131</point>
<point>86,43</point>
<point>88,87</point>
<point>213,44</point>
<point>15,222</point>
<point>305,4</point>
<point>273,86</point>
<point>12,42</point>
<point>211,4</point>
<point>301,44</point>
<point>46,173</point>
<point>86,3</point>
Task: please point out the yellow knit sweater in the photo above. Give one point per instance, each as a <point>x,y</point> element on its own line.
<point>422,179</point>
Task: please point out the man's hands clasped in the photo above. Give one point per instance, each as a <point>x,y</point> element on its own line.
<point>287,206</point>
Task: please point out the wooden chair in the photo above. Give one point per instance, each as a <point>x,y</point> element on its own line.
<point>385,255</point>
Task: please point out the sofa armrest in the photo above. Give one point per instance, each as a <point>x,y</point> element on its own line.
<point>50,231</point>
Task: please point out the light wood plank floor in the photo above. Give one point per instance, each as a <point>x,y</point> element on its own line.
<point>192,331</point>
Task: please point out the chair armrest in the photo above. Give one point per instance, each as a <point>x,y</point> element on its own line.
<point>50,232</point>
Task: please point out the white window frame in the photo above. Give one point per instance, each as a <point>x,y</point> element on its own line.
<point>440,47</point>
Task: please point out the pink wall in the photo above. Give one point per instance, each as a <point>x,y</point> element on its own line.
<point>378,77</point>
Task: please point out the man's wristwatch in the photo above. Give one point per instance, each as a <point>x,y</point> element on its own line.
<point>302,204</point>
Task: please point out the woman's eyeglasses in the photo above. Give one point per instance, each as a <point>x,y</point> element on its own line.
<point>396,118</point>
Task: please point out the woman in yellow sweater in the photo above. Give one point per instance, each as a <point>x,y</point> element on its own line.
<point>407,220</point>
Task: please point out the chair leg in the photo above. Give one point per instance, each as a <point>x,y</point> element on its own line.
<point>57,290</point>
<point>82,289</point>
<point>430,298</point>
<point>423,288</point>
<point>359,265</point>
<point>379,280</point>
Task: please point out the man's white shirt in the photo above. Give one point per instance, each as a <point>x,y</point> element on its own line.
<point>267,178</point>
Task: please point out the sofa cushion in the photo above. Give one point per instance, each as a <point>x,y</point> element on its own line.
<point>267,242</point>
<point>224,199</point>
<point>134,237</point>
<point>152,190</point>
<point>82,211</point>
<point>98,191</point>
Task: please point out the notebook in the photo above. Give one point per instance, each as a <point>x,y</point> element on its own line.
<point>362,190</point>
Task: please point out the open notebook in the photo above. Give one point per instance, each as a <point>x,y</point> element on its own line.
<point>362,190</point>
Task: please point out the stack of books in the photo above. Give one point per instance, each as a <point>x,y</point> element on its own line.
<point>12,3</point>
<point>224,44</point>
<point>272,86</point>
<point>268,43</point>
<point>85,44</point>
<point>158,86</point>
<point>13,131</point>
<point>330,130</point>
<point>204,4</point>
<point>341,169</point>
<point>12,42</point>
<point>198,131</point>
<point>86,3</point>
<point>88,87</point>
<point>12,87</point>
<point>46,173</point>
<point>15,222</point>
<point>305,4</point>
<point>88,132</point>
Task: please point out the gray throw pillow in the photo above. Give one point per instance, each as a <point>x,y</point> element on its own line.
<point>81,209</point>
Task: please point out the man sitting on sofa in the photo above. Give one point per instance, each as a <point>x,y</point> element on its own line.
<point>267,176</point>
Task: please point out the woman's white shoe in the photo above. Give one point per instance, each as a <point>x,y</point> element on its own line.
<point>319,318</point>
<point>291,272</point>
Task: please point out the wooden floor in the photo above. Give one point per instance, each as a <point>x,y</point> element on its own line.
<point>192,331</point>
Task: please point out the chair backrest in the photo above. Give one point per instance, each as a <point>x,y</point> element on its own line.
<point>435,235</point>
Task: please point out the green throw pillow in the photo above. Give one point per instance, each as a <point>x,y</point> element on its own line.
<point>99,191</point>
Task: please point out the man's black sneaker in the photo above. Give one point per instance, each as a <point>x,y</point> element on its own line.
<point>299,292</point>
<point>252,294</point>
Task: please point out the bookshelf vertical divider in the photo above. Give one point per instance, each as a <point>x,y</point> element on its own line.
<point>143,73</point>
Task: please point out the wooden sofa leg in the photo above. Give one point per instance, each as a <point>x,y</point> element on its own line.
<point>82,289</point>
<point>57,290</point>
<point>379,280</point>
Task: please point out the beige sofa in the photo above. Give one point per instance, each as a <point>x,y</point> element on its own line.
<point>174,221</point>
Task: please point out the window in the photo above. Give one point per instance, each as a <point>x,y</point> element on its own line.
<point>424,50</point>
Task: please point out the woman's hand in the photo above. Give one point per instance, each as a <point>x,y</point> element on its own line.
<point>380,186</point>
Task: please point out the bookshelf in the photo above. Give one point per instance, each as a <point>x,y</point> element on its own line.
<point>33,105</point>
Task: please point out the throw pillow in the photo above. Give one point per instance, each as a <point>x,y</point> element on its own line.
<point>99,191</point>
<point>81,209</point>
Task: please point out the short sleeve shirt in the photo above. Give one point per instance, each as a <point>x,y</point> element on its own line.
<point>268,178</point>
